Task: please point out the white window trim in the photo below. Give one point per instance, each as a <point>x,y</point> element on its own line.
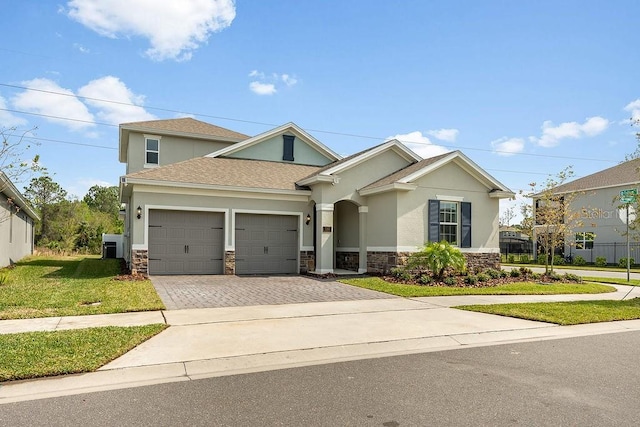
<point>146,138</point>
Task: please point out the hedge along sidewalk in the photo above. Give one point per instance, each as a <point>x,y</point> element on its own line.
<point>71,286</point>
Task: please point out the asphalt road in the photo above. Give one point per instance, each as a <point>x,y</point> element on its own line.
<point>587,381</point>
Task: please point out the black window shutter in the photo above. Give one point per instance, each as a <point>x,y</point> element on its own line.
<point>287,152</point>
<point>434,220</point>
<point>465,229</point>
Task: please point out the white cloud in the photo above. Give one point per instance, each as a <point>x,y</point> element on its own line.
<point>507,146</point>
<point>552,135</point>
<point>112,89</point>
<point>420,144</point>
<point>8,120</point>
<point>634,108</point>
<point>262,88</point>
<point>448,135</point>
<point>174,28</point>
<point>288,80</point>
<point>264,84</point>
<point>81,48</point>
<point>62,103</point>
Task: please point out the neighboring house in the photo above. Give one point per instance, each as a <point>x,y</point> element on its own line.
<point>513,241</point>
<point>201,199</point>
<point>17,221</point>
<point>601,231</point>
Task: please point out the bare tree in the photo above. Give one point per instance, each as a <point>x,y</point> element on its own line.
<point>507,216</point>
<point>553,216</point>
<point>14,165</point>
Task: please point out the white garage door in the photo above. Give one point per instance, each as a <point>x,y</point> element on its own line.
<point>266,244</point>
<point>184,242</point>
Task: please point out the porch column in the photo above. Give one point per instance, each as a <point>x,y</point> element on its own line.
<point>362,221</point>
<point>324,238</point>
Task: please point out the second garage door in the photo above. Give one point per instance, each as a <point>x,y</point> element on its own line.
<point>266,244</point>
<point>184,242</point>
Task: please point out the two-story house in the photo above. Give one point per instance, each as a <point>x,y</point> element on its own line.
<point>201,199</point>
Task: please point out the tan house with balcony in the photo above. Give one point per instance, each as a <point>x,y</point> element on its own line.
<point>201,199</point>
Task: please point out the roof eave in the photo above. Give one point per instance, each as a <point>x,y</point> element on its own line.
<point>316,179</point>
<point>501,194</point>
<point>396,186</point>
<point>10,190</point>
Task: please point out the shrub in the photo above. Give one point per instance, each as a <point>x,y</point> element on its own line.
<point>425,279</point>
<point>471,279</point>
<point>622,263</point>
<point>504,273</point>
<point>578,260</point>
<point>552,275</point>
<point>558,260</point>
<point>482,277</point>
<point>450,281</point>
<point>524,271</point>
<point>572,278</point>
<point>536,276</point>
<point>511,259</point>
<point>601,261</point>
<point>401,274</point>
<point>493,273</point>
<point>524,259</point>
<point>515,273</point>
<point>437,257</point>
<point>541,259</point>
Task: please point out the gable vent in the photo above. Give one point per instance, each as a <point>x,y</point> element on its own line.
<point>287,148</point>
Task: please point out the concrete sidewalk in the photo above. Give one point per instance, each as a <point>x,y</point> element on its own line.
<point>223,341</point>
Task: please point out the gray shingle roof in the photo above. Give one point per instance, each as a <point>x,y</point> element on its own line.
<point>396,176</point>
<point>230,172</point>
<point>624,173</point>
<point>186,125</point>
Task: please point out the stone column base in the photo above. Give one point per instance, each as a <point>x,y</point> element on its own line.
<point>229,262</point>
<point>140,262</point>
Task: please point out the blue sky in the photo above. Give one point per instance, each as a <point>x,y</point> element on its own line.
<point>524,88</point>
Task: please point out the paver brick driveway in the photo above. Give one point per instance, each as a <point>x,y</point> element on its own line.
<point>179,292</point>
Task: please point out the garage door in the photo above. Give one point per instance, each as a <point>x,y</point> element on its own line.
<point>266,244</point>
<point>183,242</point>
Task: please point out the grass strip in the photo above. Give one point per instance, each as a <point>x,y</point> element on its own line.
<point>565,313</point>
<point>614,280</point>
<point>42,354</point>
<point>520,288</point>
<point>72,286</point>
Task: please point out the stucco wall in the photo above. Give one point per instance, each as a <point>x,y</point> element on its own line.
<point>172,149</point>
<point>16,234</point>
<point>272,150</point>
<point>449,180</point>
<point>382,227</point>
<point>346,225</point>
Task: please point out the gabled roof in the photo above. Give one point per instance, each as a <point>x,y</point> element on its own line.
<point>288,127</point>
<point>325,173</point>
<point>186,127</point>
<point>224,173</point>
<point>626,173</point>
<point>404,178</point>
<point>10,191</point>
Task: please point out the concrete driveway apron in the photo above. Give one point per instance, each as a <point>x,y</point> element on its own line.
<point>182,292</point>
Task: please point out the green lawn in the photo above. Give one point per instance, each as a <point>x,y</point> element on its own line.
<point>43,354</point>
<point>633,282</point>
<point>565,313</point>
<point>68,286</point>
<point>521,288</point>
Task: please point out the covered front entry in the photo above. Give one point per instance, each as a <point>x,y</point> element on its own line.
<point>186,242</point>
<point>266,244</point>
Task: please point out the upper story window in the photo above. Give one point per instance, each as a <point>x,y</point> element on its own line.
<point>152,151</point>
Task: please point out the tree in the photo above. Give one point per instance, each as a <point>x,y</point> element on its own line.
<point>43,192</point>
<point>103,199</point>
<point>554,218</point>
<point>507,216</point>
<point>13,164</point>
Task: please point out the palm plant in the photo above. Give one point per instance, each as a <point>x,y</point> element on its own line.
<point>437,257</point>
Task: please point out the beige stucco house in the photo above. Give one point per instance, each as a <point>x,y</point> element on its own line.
<point>600,230</point>
<point>201,199</point>
<point>17,220</point>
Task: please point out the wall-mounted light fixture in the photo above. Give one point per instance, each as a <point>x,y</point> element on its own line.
<point>139,212</point>
<point>307,220</point>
